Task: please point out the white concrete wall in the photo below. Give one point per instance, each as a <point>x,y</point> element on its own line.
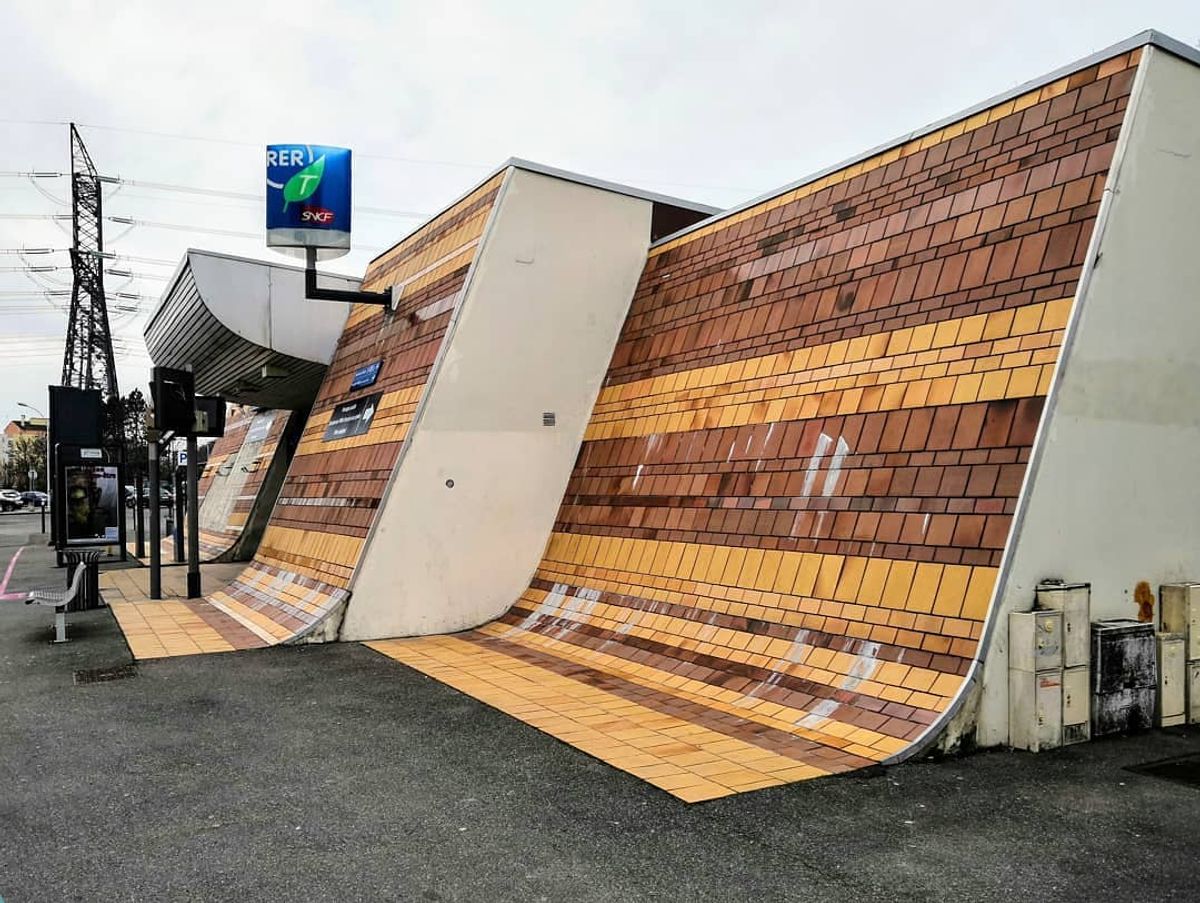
<point>534,333</point>
<point>1113,494</point>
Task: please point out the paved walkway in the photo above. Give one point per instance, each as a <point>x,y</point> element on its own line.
<point>176,625</point>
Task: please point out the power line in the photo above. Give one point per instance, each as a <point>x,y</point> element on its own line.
<point>178,227</point>
<point>129,274</point>
<point>196,190</point>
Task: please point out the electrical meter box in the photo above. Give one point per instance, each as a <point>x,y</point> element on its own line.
<point>1179,610</point>
<point>1035,709</point>
<point>1074,601</point>
<point>1124,676</point>
<point>1172,679</point>
<point>1076,693</point>
<point>1193,692</point>
<point>1035,640</point>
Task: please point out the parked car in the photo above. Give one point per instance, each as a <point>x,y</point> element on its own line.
<point>165,499</point>
<point>10,500</point>
<point>35,499</point>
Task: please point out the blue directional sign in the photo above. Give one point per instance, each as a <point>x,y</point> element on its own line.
<point>365,376</point>
<point>308,197</point>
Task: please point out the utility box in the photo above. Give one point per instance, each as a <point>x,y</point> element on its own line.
<point>1035,640</point>
<point>1035,709</point>
<point>1179,608</point>
<point>1074,601</point>
<point>1172,678</point>
<point>1124,676</point>
<point>1076,696</point>
<point>1193,692</point>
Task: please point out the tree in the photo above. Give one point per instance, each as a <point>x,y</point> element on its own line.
<point>26,453</point>
<point>125,427</point>
<point>133,428</point>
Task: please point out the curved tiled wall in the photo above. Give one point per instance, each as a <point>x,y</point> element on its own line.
<point>313,542</point>
<point>231,483</point>
<point>780,541</point>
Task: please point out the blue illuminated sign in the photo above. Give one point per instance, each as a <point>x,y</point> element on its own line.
<point>308,197</point>
<point>365,376</point>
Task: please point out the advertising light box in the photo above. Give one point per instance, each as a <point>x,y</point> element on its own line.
<point>308,198</point>
<point>93,504</point>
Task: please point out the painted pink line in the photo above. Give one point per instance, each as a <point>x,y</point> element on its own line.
<point>8,575</point>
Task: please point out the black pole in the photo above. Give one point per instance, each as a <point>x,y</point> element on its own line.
<point>178,535</point>
<point>193,519</point>
<point>156,544</point>
<point>123,530</point>
<point>139,527</point>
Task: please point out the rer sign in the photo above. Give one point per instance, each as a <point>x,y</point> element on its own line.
<point>308,197</point>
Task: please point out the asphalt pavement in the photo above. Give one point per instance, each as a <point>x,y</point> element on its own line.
<point>331,773</point>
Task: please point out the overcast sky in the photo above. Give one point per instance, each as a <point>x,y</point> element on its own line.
<point>713,101</point>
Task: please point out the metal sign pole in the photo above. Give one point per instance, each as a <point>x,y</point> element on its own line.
<point>177,535</point>
<point>156,543</point>
<point>193,520</point>
<point>139,525</point>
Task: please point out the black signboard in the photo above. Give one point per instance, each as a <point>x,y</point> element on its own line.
<point>352,418</point>
<point>174,396</point>
<point>210,416</point>
<point>365,376</point>
<point>76,416</point>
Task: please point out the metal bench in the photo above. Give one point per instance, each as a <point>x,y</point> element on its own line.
<point>60,601</point>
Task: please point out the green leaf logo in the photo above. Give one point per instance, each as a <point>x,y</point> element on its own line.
<point>301,186</point>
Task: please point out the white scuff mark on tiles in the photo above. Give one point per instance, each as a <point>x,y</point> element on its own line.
<point>793,656</point>
<point>577,610</point>
<point>814,464</point>
<point>637,476</point>
<point>548,604</point>
<point>835,467</point>
<point>865,665</point>
<point>820,523</point>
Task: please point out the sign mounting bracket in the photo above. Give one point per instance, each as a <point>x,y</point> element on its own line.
<point>312,293</point>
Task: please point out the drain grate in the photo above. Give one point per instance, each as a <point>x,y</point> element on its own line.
<point>1181,770</point>
<point>103,675</point>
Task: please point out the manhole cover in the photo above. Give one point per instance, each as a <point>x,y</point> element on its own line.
<point>103,675</point>
<point>1182,770</point>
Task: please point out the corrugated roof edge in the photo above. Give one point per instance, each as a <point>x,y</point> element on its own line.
<point>566,176</point>
<point>1142,39</point>
<point>352,282</point>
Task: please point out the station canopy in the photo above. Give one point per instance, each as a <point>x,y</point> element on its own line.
<point>246,330</point>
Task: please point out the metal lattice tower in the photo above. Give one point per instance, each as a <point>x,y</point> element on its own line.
<point>88,356</point>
